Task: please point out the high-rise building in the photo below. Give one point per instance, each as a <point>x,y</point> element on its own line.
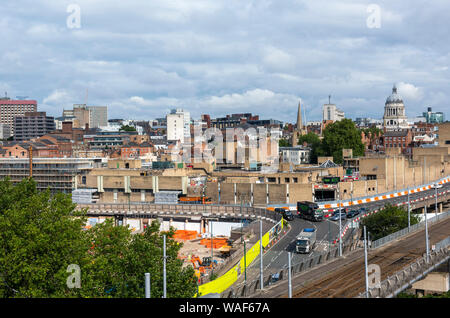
<point>178,125</point>
<point>32,125</point>
<point>433,117</point>
<point>98,116</point>
<point>331,112</point>
<point>93,116</point>
<point>11,108</point>
<point>394,112</point>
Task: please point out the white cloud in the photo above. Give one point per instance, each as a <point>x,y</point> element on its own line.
<point>409,91</point>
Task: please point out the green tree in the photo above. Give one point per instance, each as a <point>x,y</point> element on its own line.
<point>39,238</point>
<point>339,135</point>
<point>313,141</point>
<point>284,143</point>
<point>127,128</point>
<point>388,220</point>
<point>42,234</point>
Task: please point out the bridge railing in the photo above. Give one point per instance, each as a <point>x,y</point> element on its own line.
<point>403,279</point>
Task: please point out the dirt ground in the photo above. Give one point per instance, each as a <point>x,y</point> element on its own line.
<point>193,247</point>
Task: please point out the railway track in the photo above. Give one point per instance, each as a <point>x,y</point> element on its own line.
<point>349,280</point>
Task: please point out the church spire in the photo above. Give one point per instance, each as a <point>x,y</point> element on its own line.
<point>299,118</point>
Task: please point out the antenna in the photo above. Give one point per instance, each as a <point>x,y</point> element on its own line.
<point>85,101</point>
<point>329,99</point>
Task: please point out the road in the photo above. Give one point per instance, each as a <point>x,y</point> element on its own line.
<point>275,259</point>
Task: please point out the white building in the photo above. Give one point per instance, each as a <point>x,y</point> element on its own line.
<point>394,112</point>
<point>331,112</point>
<point>98,116</point>
<point>295,155</point>
<point>178,125</point>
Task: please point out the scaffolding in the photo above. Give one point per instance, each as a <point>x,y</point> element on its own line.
<point>57,174</point>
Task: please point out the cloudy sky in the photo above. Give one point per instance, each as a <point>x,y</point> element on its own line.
<point>142,58</point>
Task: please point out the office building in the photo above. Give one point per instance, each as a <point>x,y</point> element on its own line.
<point>11,108</point>
<point>32,125</point>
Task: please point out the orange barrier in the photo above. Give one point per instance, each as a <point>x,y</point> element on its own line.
<point>185,235</point>
<point>216,242</point>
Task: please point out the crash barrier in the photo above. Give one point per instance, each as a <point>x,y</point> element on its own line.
<point>223,282</point>
<point>380,242</point>
<point>383,196</point>
<point>417,270</point>
<point>401,232</point>
<point>249,289</point>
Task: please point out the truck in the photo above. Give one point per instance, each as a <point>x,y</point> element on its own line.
<point>305,241</point>
<point>309,211</point>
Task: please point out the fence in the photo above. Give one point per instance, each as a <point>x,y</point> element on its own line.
<point>222,283</point>
<point>417,270</point>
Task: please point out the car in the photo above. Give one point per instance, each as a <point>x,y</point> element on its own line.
<point>437,186</point>
<point>335,216</point>
<point>352,213</point>
<point>287,214</point>
<point>362,210</point>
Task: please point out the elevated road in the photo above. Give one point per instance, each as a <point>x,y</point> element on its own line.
<point>345,277</point>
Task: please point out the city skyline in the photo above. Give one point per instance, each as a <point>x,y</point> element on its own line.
<point>143,59</point>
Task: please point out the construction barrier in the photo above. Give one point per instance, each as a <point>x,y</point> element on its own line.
<point>223,282</point>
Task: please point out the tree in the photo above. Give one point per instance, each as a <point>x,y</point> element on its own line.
<point>42,234</point>
<point>127,128</point>
<point>340,135</point>
<point>313,141</point>
<point>388,220</point>
<point>284,143</point>
<point>39,238</point>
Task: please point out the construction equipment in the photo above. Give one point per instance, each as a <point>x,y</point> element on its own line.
<point>195,200</point>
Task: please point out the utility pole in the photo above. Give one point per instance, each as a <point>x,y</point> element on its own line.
<point>289,275</point>
<point>164,267</point>
<point>261,255</point>
<point>147,285</point>
<point>365,263</point>
<point>409,212</point>
<point>426,235</point>
<point>340,221</point>
<point>436,204</point>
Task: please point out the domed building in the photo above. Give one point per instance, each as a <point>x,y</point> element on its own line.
<point>394,112</point>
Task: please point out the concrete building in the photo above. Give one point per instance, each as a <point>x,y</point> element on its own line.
<point>332,113</point>
<point>32,125</point>
<point>295,155</point>
<point>12,108</point>
<point>98,116</point>
<point>93,116</point>
<point>5,131</point>
<point>443,134</point>
<point>178,125</point>
<point>58,175</point>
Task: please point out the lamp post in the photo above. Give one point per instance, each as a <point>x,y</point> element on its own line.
<point>340,221</point>
<point>365,263</point>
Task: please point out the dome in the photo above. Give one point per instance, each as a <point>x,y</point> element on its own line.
<point>394,98</point>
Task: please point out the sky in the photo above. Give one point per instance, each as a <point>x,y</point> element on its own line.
<point>218,57</point>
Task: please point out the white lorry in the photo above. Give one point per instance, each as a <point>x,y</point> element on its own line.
<point>306,241</point>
